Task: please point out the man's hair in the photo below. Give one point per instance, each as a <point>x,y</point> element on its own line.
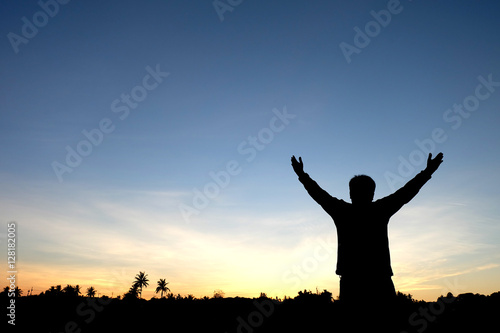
<point>362,187</point>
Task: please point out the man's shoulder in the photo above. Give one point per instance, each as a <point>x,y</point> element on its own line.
<point>343,203</point>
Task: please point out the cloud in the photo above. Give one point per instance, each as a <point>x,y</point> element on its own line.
<point>430,243</point>
<point>104,236</point>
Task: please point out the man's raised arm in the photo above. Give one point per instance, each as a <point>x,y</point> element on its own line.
<point>315,191</point>
<point>402,196</point>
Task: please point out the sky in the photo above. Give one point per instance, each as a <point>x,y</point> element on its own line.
<point>156,136</point>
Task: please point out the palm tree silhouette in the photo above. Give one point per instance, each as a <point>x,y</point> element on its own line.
<point>162,287</point>
<point>133,290</point>
<point>141,280</point>
<point>17,291</point>
<point>91,291</point>
<point>70,290</point>
<point>54,291</point>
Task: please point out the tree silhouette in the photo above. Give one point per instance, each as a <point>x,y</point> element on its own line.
<point>132,292</point>
<point>17,291</point>
<point>141,280</point>
<point>55,291</point>
<point>91,291</point>
<point>70,290</point>
<point>218,293</point>
<point>162,287</point>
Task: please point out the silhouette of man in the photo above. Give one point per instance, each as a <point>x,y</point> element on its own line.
<point>363,258</point>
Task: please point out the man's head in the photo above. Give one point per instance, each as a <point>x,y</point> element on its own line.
<point>361,189</point>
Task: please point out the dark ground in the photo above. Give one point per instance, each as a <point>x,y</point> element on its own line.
<point>307,312</point>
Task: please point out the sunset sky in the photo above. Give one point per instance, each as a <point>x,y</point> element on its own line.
<point>156,136</point>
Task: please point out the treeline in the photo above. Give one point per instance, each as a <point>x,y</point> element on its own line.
<point>70,309</point>
<point>63,309</point>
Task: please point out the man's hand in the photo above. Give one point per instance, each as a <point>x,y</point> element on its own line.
<point>433,164</point>
<point>298,167</point>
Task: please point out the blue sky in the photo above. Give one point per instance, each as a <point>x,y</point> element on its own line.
<point>120,209</point>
